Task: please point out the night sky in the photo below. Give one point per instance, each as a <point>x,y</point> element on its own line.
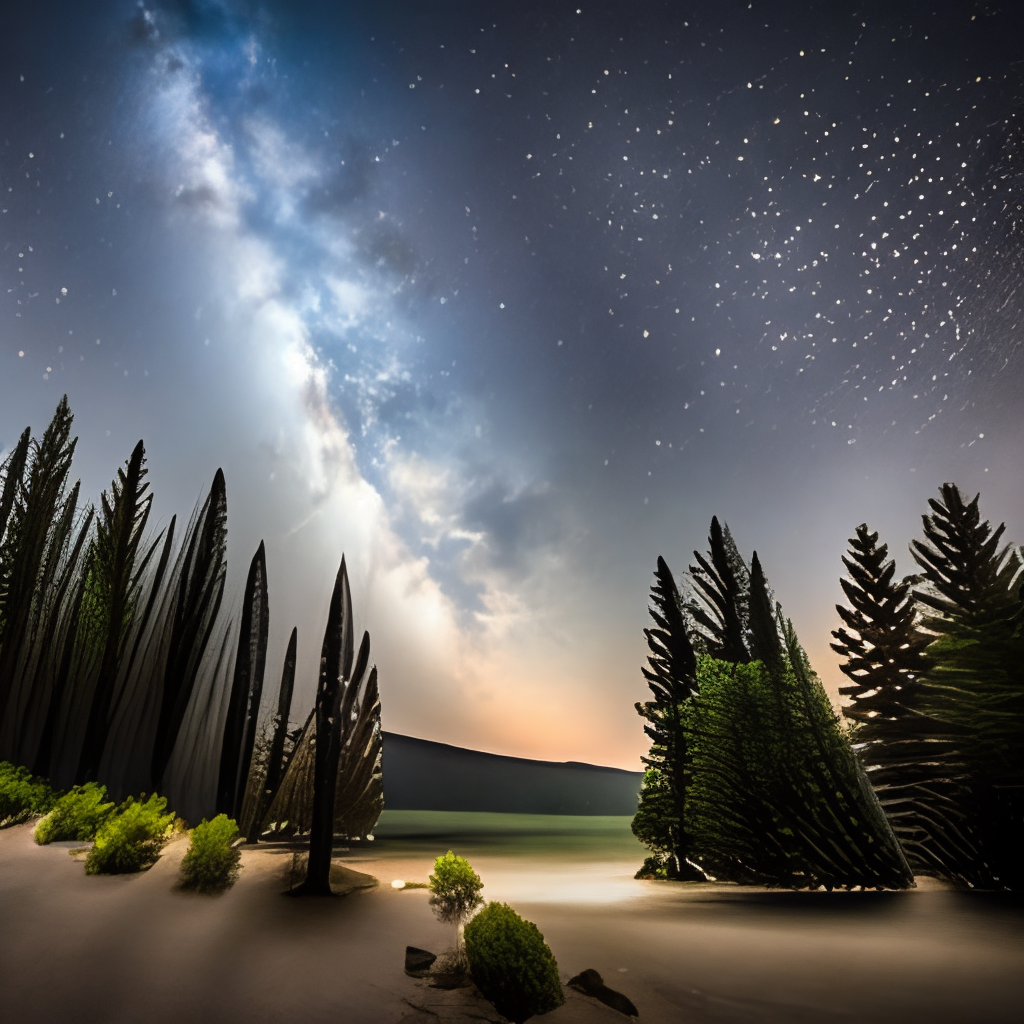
<point>504,301</point>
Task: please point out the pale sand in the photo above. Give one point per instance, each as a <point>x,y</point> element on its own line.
<point>134,948</point>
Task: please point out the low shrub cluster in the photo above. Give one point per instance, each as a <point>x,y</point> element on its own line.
<point>130,839</point>
<point>22,795</point>
<point>78,814</point>
<point>512,964</point>
<point>212,861</point>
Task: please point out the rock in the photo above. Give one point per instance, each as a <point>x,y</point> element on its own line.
<point>590,983</point>
<point>418,961</point>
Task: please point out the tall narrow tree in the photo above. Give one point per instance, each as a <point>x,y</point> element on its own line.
<point>671,664</point>
<point>974,683</point>
<point>116,568</point>
<point>342,673</point>
<point>897,744</point>
<point>29,564</point>
<point>246,690</point>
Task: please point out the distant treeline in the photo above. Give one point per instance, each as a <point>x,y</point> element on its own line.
<point>119,663</point>
<point>751,776</point>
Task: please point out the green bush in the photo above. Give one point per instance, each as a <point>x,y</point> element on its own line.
<point>653,867</point>
<point>212,861</point>
<point>511,963</point>
<point>130,840</point>
<point>454,890</point>
<point>76,815</point>
<point>22,796</point>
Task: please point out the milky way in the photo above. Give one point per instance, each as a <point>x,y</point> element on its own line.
<point>507,302</point>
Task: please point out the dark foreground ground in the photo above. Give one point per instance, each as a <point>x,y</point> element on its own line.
<point>133,948</point>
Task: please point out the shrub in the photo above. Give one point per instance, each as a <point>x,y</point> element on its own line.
<point>454,890</point>
<point>653,867</point>
<point>130,840</point>
<point>22,796</point>
<point>511,963</point>
<point>211,864</point>
<point>75,815</point>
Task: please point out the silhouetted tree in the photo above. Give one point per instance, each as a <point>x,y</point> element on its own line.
<point>897,744</point>
<point>777,796</point>
<point>659,821</point>
<point>974,682</point>
<point>343,676</point>
<point>266,787</point>
<point>721,613</point>
<point>198,580</point>
<point>115,571</point>
<point>39,524</point>
<point>246,690</point>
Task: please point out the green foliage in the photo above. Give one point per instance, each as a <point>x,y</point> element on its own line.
<point>454,889</point>
<point>760,785</point>
<point>212,861</point>
<point>131,839</point>
<point>973,688</point>
<point>659,820</point>
<point>653,867</point>
<point>656,822</point>
<point>511,963</point>
<point>78,814</point>
<point>22,795</point>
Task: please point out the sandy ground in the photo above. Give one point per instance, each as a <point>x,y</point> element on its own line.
<point>134,948</point>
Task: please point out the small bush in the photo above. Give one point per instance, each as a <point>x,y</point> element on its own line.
<point>76,815</point>
<point>454,889</point>
<point>212,861</point>
<point>511,963</point>
<point>653,867</point>
<point>131,839</point>
<point>22,796</point>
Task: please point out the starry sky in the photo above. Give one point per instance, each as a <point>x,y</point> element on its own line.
<point>506,300</point>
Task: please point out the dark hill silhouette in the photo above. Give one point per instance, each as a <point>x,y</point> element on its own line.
<point>421,775</point>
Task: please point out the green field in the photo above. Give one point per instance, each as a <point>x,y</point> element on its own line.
<point>514,835</point>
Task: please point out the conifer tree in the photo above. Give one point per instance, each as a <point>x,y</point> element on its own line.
<point>37,529</point>
<point>670,675</point>
<point>974,682</point>
<point>897,744</point>
<point>115,571</point>
<point>777,796</point>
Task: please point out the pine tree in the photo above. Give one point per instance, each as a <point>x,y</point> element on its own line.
<point>670,675</point>
<point>974,682</point>
<point>116,568</point>
<point>34,548</point>
<point>721,611</point>
<point>777,795</point>
<point>897,744</point>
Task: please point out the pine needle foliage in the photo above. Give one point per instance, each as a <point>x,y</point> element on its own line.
<point>117,563</point>
<point>671,664</point>
<point>774,795</point>
<point>883,646</point>
<point>974,681</point>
